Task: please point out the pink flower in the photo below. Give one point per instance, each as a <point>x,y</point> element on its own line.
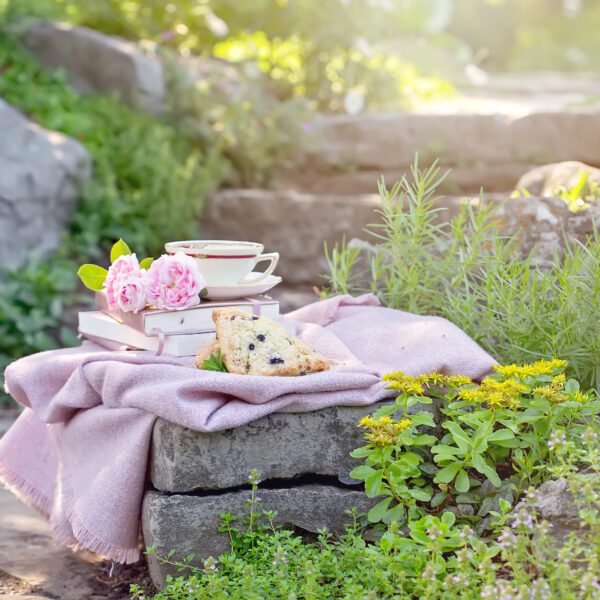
<point>131,294</point>
<point>174,282</point>
<point>125,266</point>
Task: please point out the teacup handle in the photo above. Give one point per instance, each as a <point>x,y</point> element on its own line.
<point>273,257</point>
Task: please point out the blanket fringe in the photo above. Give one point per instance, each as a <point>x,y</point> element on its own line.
<point>71,532</point>
<point>24,491</point>
<point>77,538</point>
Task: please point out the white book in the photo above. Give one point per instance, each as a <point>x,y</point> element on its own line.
<point>195,319</point>
<point>107,331</point>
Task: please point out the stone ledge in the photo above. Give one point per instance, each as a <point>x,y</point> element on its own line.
<point>280,446</point>
<point>191,523</point>
<point>385,141</point>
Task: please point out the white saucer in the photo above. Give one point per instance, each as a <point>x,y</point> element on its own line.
<point>247,287</point>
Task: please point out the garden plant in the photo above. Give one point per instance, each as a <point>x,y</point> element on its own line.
<point>457,517</point>
<point>465,269</point>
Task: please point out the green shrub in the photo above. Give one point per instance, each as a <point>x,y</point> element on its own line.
<point>468,272</point>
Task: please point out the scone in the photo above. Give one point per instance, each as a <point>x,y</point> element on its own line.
<point>254,345</point>
<point>210,346</point>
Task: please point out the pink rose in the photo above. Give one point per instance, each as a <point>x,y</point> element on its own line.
<point>131,294</point>
<point>125,266</point>
<point>174,282</point>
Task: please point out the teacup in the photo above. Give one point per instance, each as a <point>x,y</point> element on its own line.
<point>225,262</point>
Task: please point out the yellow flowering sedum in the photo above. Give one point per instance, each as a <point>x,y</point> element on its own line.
<point>541,367</point>
<point>504,390</point>
<point>415,385</point>
<point>383,431</point>
<point>497,394</point>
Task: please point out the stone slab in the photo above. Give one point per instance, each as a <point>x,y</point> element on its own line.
<point>387,141</point>
<point>190,523</point>
<point>280,446</point>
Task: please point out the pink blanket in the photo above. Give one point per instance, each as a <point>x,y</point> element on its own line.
<point>78,452</point>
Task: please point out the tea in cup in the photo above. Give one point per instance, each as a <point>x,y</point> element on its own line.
<point>225,262</point>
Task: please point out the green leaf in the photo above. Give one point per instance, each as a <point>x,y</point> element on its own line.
<point>500,435</point>
<point>92,276</point>
<point>374,485</point>
<point>145,264</point>
<point>479,463</point>
<point>438,499</point>
<point>361,472</point>
<point>215,363</point>
<point>421,494</point>
<point>360,452</point>
<point>395,514</point>
<point>446,475</point>
<point>119,249</point>
<point>462,482</point>
<point>423,418</point>
<point>384,411</point>
<point>387,541</point>
<point>571,386</point>
<point>449,518</point>
<point>466,499</point>
<point>460,437</point>
<point>376,513</point>
<point>447,450</point>
<point>424,440</point>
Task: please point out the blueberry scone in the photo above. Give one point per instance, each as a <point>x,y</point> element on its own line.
<point>259,346</point>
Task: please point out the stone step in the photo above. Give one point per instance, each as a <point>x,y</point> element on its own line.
<point>349,153</point>
<point>297,225</point>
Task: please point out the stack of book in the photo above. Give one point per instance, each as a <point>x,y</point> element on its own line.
<point>176,332</point>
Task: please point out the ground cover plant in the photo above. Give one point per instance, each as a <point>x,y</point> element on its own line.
<point>468,271</point>
<point>521,426</point>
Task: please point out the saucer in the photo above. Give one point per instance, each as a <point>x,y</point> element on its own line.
<point>247,287</point>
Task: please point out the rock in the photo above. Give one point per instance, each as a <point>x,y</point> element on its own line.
<point>554,503</point>
<point>297,225</point>
<point>100,63</point>
<point>280,446</point>
<point>190,523</point>
<point>548,179</point>
<point>40,173</point>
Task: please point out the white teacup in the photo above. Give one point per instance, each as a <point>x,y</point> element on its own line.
<point>225,262</point>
